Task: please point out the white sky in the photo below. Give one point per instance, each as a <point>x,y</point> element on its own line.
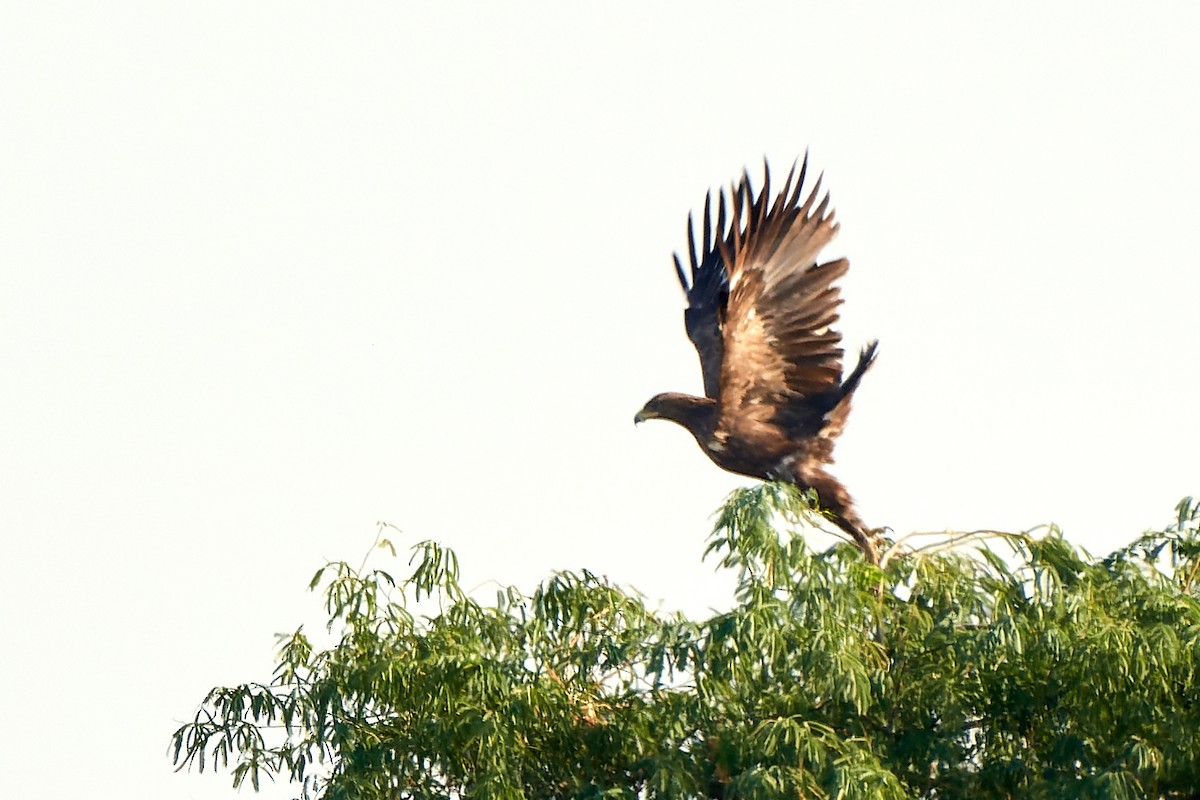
<point>272,272</point>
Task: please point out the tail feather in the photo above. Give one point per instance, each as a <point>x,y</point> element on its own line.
<point>865,359</point>
<point>835,418</point>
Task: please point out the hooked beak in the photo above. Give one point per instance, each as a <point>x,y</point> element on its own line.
<point>643,415</point>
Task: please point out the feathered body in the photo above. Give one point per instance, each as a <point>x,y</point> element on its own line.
<point>761,313</point>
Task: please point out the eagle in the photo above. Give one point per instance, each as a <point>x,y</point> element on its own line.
<point>761,312</point>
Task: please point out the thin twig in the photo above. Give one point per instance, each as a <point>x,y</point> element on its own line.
<point>950,539</point>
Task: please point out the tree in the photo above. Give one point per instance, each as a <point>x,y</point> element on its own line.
<point>1026,668</point>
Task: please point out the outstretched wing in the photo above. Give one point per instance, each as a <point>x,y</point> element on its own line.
<point>707,291</point>
<point>782,358</point>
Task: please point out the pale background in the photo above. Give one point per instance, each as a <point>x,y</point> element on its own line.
<point>272,272</point>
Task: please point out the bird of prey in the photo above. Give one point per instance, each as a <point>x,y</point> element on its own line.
<point>761,313</point>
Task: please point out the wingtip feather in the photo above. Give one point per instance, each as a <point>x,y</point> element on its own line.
<point>691,239</point>
<point>683,281</point>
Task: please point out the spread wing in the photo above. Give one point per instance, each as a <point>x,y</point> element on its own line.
<point>782,358</point>
<point>707,291</point>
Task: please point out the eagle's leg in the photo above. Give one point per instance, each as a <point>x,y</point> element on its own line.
<point>836,500</point>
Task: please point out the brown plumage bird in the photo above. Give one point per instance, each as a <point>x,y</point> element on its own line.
<point>761,312</point>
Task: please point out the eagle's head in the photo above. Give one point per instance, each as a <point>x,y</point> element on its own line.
<point>676,407</point>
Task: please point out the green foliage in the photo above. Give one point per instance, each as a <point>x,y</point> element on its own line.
<point>972,673</point>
